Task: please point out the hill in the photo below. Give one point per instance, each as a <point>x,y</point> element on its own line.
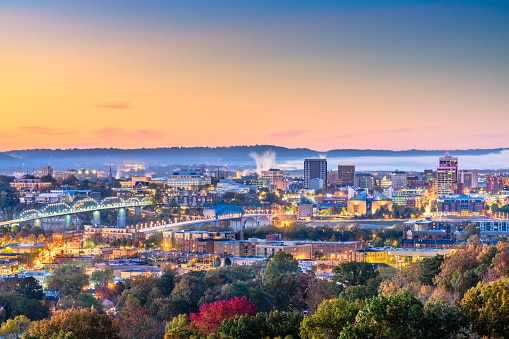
<point>249,156</point>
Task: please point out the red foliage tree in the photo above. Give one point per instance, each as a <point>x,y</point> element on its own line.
<point>210,317</point>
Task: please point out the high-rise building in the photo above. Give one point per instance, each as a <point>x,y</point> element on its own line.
<point>315,169</point>
<point>364,181</point>
<point>447,175</point>
<point>346,175</point>
<point>468,179</point>
<point>332,178</point>
<point>398,179</point>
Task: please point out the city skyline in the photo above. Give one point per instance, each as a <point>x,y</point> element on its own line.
<point>321,75</point>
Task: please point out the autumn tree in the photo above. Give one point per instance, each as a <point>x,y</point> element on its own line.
<point>82,323</point>
<point>210,316</point>
<point>14,328</point>
<point>317,290</point>
<point>138,323</point>
<point>458,271</point>
<point>405,279</point>
<point>487,308</point>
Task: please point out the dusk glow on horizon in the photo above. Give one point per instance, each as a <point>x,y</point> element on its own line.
<point>315,74</point>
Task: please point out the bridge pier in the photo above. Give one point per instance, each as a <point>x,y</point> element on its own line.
<point>96,218</point>
<point>68,220</point>
<point>137,210</point>
<point>121,218</point>
<point>37,222</point>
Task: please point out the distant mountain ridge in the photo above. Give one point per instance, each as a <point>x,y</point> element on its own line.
<point>232,156</point>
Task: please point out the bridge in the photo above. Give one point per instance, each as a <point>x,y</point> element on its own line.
<point>79,206</point>
<point>238,221</point>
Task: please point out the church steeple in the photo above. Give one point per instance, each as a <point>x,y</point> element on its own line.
<point>110,176</point>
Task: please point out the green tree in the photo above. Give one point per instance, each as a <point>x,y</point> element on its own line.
<point>82,300</point>
<point>102,278</point>
<point>281,263</point>
<point>68,280</point>
<point>280,281</point>
<point>353,274</point>
<point>443,318</point>
<point>274,324</point>
<point>30,288</point>
<point>177,328</point>
<point>13,305</point>
<point>142,287</point>
<point>154,240</point>
<point>400,316</point>
<point>187,292</point>
<point>430,268</point>
<point>330,318</point>
<point>166,283</point>
<point>245,326</point>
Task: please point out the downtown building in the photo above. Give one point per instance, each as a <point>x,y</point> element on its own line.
<point>315,170</point>
<point>447,175</point>
<point>346,175</point>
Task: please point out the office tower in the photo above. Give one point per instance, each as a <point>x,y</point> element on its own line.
<point>398,179</point>
<point>332,178</point>
<point>364,181</point>
<point>315,169</point>
<point>447,175</point>
<point>468,179</point>
<point>346,175</point>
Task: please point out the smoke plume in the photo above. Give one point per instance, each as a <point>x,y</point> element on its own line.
<point>264,161</point>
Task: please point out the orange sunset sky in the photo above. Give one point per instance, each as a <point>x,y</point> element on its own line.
<point>317,74</point>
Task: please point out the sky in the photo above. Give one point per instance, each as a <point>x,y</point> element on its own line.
<point>314,74</point>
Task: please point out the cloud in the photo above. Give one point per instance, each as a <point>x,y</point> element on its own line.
<point>42,130</point>
<point>115,105</point>
<point>384,132</point>
<point>114,132</point>
<point>286,134</point>
<point>142,95</point>
<point>486,135</point>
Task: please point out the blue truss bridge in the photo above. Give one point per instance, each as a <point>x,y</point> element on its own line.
<point>80,206</point>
